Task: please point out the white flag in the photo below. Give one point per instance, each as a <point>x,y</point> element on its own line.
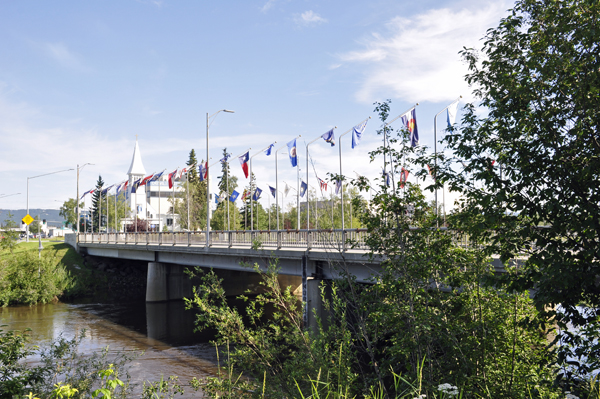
<point>287,190</point>
<point>452,113</point>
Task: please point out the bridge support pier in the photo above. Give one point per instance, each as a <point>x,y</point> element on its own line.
<point>314,304</point>
<point>166,282</point>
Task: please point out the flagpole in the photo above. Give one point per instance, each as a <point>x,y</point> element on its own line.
<point>277,182</point>
<point>435,157</point>
<point>340,157</point>
<point>252,194</point>
<point>385,140</point>
<point>208,176</point>
<point>159,218</point>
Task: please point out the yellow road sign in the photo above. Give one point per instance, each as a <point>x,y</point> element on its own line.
<point>28,219</point>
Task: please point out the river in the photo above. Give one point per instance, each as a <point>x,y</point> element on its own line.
<point>163,331</point>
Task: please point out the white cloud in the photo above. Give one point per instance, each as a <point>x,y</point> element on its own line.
<point>417,58</point>
<point>61,54</point>
<point>308,18</point>
<point>268,5</point>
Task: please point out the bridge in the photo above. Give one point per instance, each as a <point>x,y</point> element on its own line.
<point>305,257</point>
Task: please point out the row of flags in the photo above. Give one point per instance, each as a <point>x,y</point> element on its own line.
<point>409,120</point>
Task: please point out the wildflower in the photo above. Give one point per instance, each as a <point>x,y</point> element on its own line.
<point>448,389</point>
<point>421,396</point>
<point>570,396</point>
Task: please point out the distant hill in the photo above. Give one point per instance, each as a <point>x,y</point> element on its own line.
<point>51,215</point>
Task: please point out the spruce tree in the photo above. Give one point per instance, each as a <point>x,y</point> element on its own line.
<point>192,164</point>
<point>96,207</point>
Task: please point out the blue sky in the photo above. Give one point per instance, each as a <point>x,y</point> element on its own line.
<point>79,81</point>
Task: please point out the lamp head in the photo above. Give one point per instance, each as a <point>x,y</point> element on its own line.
<point>230,111</point>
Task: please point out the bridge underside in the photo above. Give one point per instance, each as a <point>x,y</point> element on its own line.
<point>320,264</point>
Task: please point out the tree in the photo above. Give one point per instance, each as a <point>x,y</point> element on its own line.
<point>192,164</point>
<point>68,211</point>
<point>98,205</point>
<point>9,236</point>
<point>196,191</point>
<point>538,88</point>
<point>122,208</point>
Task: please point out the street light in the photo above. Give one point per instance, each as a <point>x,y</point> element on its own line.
<point>34,177</point>
<point>77,198</point>
<point>208,175</point>
<point>8,195</point>
<point>251,194</point>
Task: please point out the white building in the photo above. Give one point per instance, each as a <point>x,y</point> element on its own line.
<point>152,201</point>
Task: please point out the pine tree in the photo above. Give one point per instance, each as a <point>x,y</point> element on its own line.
<point>96,206</point>
<point>227,183</point>
<point>192,164</point>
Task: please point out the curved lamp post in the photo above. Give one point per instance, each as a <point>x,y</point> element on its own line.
<point>34,177</point>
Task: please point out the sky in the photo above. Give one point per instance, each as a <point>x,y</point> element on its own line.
<point>80,81</point>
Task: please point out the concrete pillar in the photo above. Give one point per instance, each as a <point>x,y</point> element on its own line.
<point>157,289</point>
<point>314,303</point>
<point>179,284</point>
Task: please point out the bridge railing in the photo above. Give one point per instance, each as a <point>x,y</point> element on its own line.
<point>305,239</point>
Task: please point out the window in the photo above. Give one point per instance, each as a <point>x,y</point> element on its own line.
<point>169,222</point>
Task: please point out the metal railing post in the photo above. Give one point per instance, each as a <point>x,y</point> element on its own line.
<point>344,240</point>
<point>188,238</point>
<point>278,239</point>
<point>308,239</point>
<point>230,238</point>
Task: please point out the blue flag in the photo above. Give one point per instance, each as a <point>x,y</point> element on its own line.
<point>107,189</point>
<point>268,150</point>
<point>156,176</point>
<point>273,191</point>
<point>329,137</point>
<point>135,185</point>
<point>257,194</point>
<point>386,176</point>
<point>303,187</point>
<point>225,158</point>
<point>410,121</point>
<point>292,151</point>
<point>234,195</point>
<point>357,132</point>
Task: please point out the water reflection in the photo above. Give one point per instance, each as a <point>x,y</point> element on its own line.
<point>163,331</point>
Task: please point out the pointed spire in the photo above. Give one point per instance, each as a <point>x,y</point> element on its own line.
<point>137,167</point>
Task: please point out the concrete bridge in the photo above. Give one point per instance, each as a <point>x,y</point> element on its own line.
<point>305,257</point>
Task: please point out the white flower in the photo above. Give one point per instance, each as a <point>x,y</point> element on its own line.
<point>448,389</point>
<point>571,396</point>
<point>421,396</point>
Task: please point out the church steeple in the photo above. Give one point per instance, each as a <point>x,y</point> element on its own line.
<point>137,167</point>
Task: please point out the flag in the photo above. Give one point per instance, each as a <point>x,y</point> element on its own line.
<point>303,187</point>
<point>87,192</point>
<point>234,195</point>
<point>410,121</point>
<point>257,194</point>
<point>403,177</point>
<point>329,137</point>
<point>338,185</point>
<point>217,198</point>
<point>451,117</point>
<point>203,171</point>
<point>156,176</point>
<point>245,195</point>
<point>172,178</point>
<point>386,176</point>
<point>292,151</point>
<point>181,172</point>
<point>107,189</point>
<point>121,186</point>
<point>222,196</point>
<point>268,150</point>
<point>429,168</point>
<point>273,191</point>
<point>323,184</point>
<point>287,190</point>
<point>225,158</point>
<point>357,132</point>
<point>146,180</point>
<point>244,162</point>
<point>135,185</point>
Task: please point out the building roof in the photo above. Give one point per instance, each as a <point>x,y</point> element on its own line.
<point>137,167</point>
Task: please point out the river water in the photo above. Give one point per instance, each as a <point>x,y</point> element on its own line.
<point>163,331</point>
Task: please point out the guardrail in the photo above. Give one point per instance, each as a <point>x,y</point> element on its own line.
<point>341,240</point>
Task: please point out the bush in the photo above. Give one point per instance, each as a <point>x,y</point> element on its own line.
<point>27,279</point>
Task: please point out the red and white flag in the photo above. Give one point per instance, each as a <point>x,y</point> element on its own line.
<point>403,177</point>
<point>244,162</point>
<point>172,178</point>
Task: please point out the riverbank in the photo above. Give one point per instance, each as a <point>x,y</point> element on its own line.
<point>62,273</point>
